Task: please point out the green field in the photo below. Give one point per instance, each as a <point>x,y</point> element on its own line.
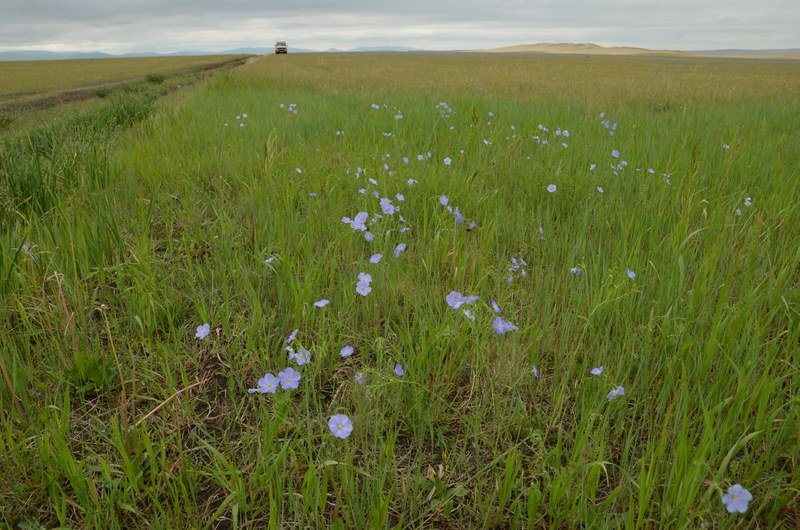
<point>665,253</point>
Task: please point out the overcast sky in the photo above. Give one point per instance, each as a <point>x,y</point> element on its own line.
<point>120,26</point>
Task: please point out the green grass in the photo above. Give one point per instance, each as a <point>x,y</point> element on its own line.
<point>147,221</point>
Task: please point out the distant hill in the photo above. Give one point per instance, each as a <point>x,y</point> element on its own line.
<point>584,49</point>
<point>594,49</point>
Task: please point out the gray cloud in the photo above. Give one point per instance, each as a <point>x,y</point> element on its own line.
<point>126,25</point>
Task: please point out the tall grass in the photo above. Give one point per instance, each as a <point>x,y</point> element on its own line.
<point>115,415</point>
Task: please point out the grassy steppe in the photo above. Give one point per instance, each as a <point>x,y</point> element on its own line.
<point>144,222</point>
<point>21,79</point>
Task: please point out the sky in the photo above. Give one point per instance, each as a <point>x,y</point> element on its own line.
<point>125,26</point>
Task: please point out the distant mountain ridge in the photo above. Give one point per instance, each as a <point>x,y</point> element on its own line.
<point>550,48</point>
<point>43,55</point>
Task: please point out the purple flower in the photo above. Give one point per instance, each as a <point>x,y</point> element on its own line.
<point>203,331</point>
<point>503,326</point>
<point>619,391</point>
<point>290,378</point>
<point>600,190</point>
<point>363,288</point>
<point>551,188</point>
<point>292,336</point>
<point>340,426</point>
<point>398,369</point>
<point>738,211</point>
<point>411,182</point>
<point>495,307</point>
<point>469,314</point>
<point>360,378</point>
<point>443,200</point>
<point>576,271</point>
<point>375,258</point>
<point>631,274</point>
<point>322,303</point>
<point>298,170</point>
<point>266,385</point>
<point>597,371</point>
<point>301,356</point>
<point>454,299</point>
<point>347,351</point>
<point>592,166</point>
<point>748,201</point>
<point>358,223</point>
<point>737,499</point>
<point>387,206</point>
<point>615,153</point>
<point>369,236</point>
<point>447,160</point>
<point>398,249</point>
<point>535,371</point>
<point>400,197</point>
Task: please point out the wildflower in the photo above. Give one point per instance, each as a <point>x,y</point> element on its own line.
<point>597,371</point>
<point>454,299</point>
<point>269,260</point>
<point>737,499</point>
<point>322,303</point>
<point>298,170</point>
<point>469,314</point>
<point>26,249</point>
<point>615,153</point>
<point>266,385</point>
<point>631,274</point>
<point>748,202</point>
<point>447,160</point>
<point>340,426</point>
<point>360,378</point>
<point>398,249</point>
<point>551,188</point>
<point>387,206</point>
<point>411,182</point>
<point>290,378</point>
<point>301,356</point>
<point>398,369</point>
<point>738,211</point>
<point>347,351</point>
<point>495,307</point>
<point>312,194</point>
<point>726,146</point>
<point>203,331</point>
<point>443,200</point>
<point>420,157</point>
<point>600,190</point>
<point>400,197</point>
<point>535,371</point>
<point>576,271</point>
<point>363,288</point>
<point>405,160</point>
<point>619,391</point>
<point>503,326</point>
<point>375,258</point>
<point>292,336</point>
<point>369,236</point>
<point>358,222</point>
